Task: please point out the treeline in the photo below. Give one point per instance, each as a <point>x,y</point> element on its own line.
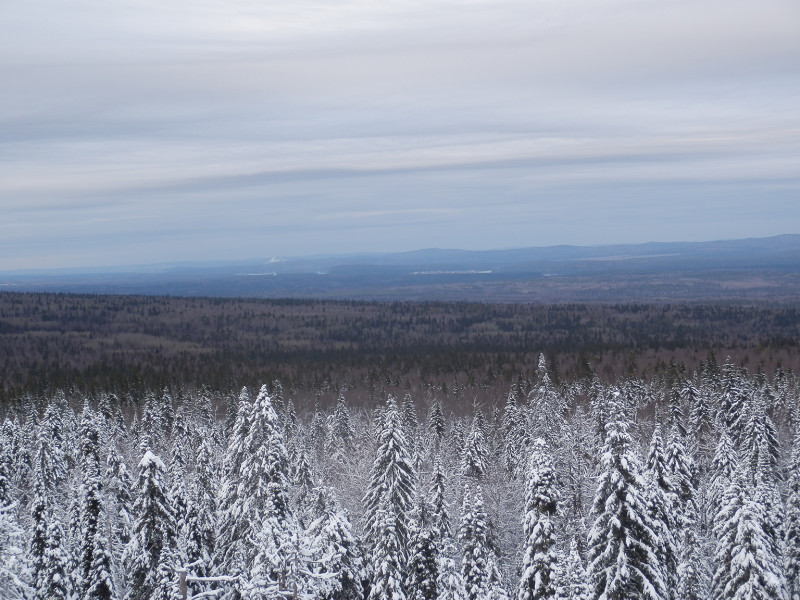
<point>127,344</point>
<point>681,489</point>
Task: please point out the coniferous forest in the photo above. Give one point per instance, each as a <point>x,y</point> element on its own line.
<point>685,488</point>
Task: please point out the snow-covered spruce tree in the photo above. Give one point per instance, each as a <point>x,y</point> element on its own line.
<point>94,572</point>
<point>99,584</point>
<point>449,584</point>
<point>440,518</point>
<point>478,564</point>
<point>118,485</point>
<point>422,570</point>
<point>681,468</point>
<point>387,573</point>
<point>277,554</point>
<point>515,436</point>
<point>701,422</point>
<point>154,531</point>
<point>15,581</point>
<point>337,550</point>
<point>232,520</point>
<point>475,457</point>
<point>281,565</point>
<point>664,508</point>
<point>201,521</point>
<point>410,421</point>
<point>692,575</point>
<point>792,522</point>
<point>37,548</point>
<point>423,565</point>
<point>392,480</point>
<point>436,422</point>
<point>54,582</point>
<point>342,431</point>
<point>151,425</point>
<point>574,580</point>
<point>759,439</point>
<point>624,561</point>
<point>540,559</point>
<point>6,465</point>
<point>746,566</point>
<point>722,471</point>
<point>51,454</point>
<point>546,408</point>
<point>734,400</point>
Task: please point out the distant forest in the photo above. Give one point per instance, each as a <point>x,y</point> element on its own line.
<point>459,352</point>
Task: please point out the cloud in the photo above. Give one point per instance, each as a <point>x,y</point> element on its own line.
<point>215,121</point>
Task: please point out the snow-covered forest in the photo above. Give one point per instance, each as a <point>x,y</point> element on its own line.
<point>658,490</point>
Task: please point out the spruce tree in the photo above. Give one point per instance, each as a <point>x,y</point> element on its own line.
<point>792,527</point>
<point>99,583</point>
<point>423,565</point>
<point>574,579</point>
<point>154,531</point>
<point>540,559</point>
<point>746,566</point>
<point>37,550</point>
<point>54,582</point>
<point>478,566</point>
<point>624,548</point>
<point>475,457</point>
<point>722,471</point>
<point>387,572</point>
<point>332,537</point>
<point>91,508</point>
<point>14,567</point>
<point>436,421</point>
<point>392,479</point>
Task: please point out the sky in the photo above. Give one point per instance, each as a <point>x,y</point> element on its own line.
<point>150,131</point>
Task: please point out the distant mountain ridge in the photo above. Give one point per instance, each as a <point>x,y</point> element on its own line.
<point>747,269</point>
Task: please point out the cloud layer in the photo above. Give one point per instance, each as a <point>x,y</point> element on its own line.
<point>142,131</point>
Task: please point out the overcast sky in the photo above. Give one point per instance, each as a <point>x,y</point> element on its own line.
<point>143,131</point>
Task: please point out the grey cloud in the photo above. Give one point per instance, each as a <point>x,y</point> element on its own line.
<point>483,123</point>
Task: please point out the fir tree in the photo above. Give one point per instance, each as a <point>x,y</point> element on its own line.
<point>664,508</point>
<point>54,584</point>
<point>387,573</point>
<point>409,415</point>
<point>14,568</point>
<point>722,471</point>
<point>332,537</point>
<point>40,515</point>
<point>392,480</point>
<point>574,579</point>
<point>792,528</point>
<point>51,456</point>
<point>440,519</point>
<point>201,521</point>
<point>91,507</point>
<point>477,564</point>
<point>436,421</point>
<point>541,502</point>
<point>99,583</point>
<point>475,456</point>
<point>423,566</point>
<point>746,566</point>
<point>624,547</point>
<point>342,427</point>
<point>154,530</point>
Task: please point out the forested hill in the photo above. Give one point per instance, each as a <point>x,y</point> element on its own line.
<point>760,269</point>
<point>687,489</point>
<point>127,344</point>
